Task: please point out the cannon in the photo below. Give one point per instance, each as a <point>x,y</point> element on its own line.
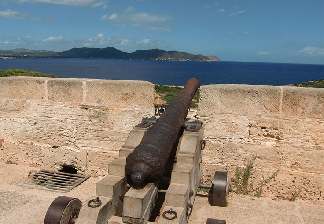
<point>156,177</point>
<point>147,162</point>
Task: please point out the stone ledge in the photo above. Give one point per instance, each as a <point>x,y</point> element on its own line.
<point>239,99</point>
<point>24,88</point>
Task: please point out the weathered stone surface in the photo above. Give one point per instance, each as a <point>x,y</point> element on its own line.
<point>111,186</point>
<point>282,128</point>
<point>138,204</point>
<point>303,132</point>
<point>177,195</point>
<point>239,99</point>
<point>22,88</point>
<point>134,138</point>
<point>43,125</point>
<point>220,126</point>
<point>117,167</point>
<point>247,210</point>
<point>303,102</point>
<point>183,174</point>
<point>65,90</point>
<point>47,126</point>
<point>98,215</point>
<point>120,93</point>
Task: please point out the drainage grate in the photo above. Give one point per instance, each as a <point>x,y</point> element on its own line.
<point>58,181</point>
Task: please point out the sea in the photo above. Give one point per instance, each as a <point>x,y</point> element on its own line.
<point>172,73</point>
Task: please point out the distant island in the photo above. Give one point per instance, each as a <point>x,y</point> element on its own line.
<point>109,53</point>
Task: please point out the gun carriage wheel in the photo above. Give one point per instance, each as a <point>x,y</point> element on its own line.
<point>63,210</point>
<point>219,190</point>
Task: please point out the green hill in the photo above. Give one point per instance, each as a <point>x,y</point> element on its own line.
<point>110,53</point>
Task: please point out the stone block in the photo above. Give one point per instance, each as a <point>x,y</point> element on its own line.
<point>98,215</point>
<point>186,159</point>
<point>124,152</point>
<point>189,144</point>
<point>184,174</point>
<point>65,90</point>
<point>177,195</point>
<point>134,138</point>
<point>22,88</point>
<point>111,186</point>
<point>138,204</point>
<point>117,167</point>
<point>303,102</point>
<point>239,99</point>
<point>120,93</point>
<point>115,220</point>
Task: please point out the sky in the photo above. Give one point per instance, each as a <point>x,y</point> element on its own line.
<point>287,31</point>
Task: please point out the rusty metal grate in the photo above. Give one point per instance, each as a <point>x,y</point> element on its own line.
<point>58,181</point>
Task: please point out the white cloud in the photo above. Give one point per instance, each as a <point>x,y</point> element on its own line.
<point>263,53</point>
<point>113,16</point>
<point>102,5</point>
<point>145,18</point>
<point>123,42</point>
<point>144,41</point>
<point>58,43</point>
<point>312,51</point>
<point>66,2</point>
<point>8,43</point>
<point>53,39</point>
<point>133,17</point>
<point>100,40</point>
<point>237,13</point>
<point>9,14</point>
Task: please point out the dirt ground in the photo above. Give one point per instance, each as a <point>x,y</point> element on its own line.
<point>27,204</point>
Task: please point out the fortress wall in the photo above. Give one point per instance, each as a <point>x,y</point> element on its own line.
<point>282,128</point>
<point>46,122</point>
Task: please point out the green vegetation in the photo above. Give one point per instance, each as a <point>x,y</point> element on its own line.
<point>22,72</point>
<point>169,92</point>
<point>242,178</point>
<point>314,84</point>
<point>244,182</point>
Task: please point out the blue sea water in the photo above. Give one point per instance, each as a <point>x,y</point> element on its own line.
<point>175,73</point>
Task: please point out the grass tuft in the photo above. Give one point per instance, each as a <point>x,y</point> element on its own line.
<point>23,72</point>
<point>243,181</point>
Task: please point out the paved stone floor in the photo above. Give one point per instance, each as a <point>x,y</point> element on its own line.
<point>248,210</point>
<point>20,203</point>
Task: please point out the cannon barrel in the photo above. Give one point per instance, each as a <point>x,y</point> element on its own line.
<point>147,163</point>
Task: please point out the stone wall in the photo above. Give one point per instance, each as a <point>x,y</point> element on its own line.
<point>280,130</point>
<point>47,122</point>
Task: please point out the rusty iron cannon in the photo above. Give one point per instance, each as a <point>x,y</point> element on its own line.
<point>147,162</point>
<point>156,176</point>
